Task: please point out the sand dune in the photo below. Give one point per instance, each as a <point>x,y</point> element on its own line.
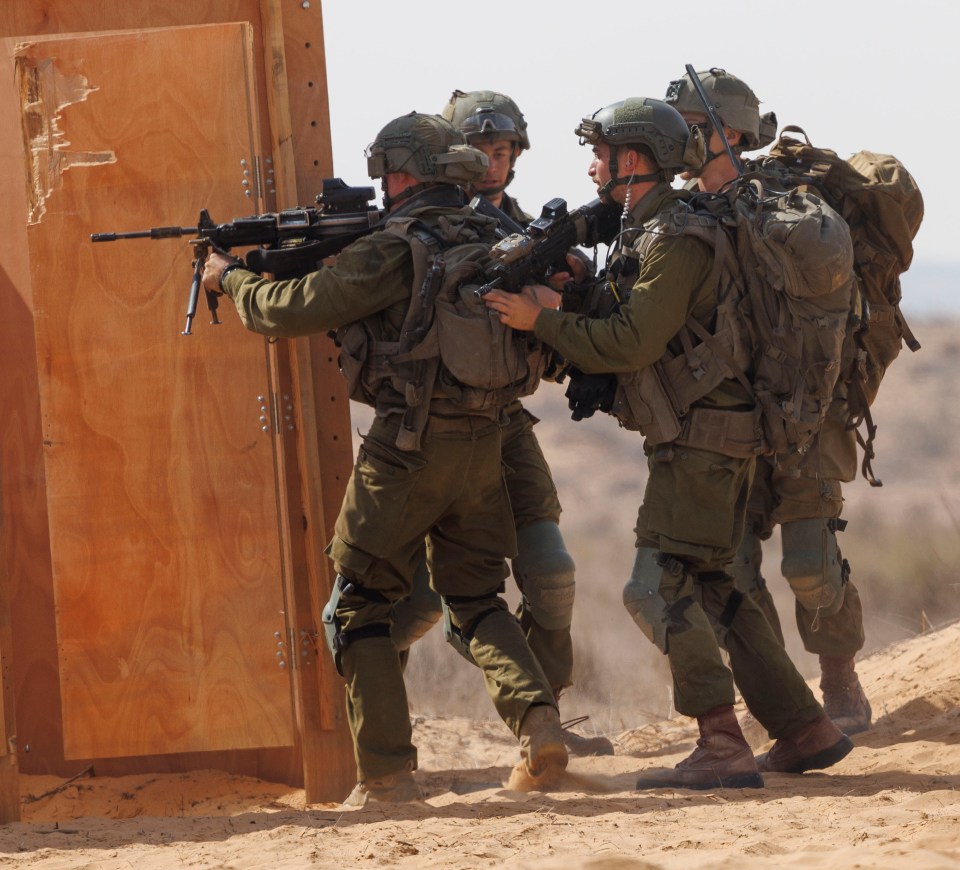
<point>894,802</point>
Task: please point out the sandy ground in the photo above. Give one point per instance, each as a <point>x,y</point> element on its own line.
<point>892,803</point>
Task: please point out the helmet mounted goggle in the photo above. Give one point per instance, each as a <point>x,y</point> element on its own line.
<point>490,124</point>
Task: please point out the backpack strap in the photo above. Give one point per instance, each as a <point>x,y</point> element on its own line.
<point>418,341</point>
<point>723,258</point>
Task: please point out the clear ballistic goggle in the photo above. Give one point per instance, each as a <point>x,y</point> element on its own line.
<point>488,122</point>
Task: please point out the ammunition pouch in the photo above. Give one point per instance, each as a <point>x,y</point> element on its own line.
<point>730,433</point>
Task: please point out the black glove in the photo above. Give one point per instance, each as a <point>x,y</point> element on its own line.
<point>589,393</point>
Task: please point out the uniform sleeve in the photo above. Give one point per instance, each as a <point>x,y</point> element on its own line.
<point>673,281</point>
<point>368,276</point>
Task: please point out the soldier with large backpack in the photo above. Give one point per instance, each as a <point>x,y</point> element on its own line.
<point>439,370</point>
<point>680,362</point>
<point>804,496</point>
<point>543,568</point>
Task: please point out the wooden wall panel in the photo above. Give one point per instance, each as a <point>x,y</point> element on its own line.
<point>9,781</point>
<point>323,438</point>
<point>323,445</point>
<point>161,495</point>
<point>24,540</point>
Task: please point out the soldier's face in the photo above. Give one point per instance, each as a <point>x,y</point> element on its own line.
<point>599,169</point>
<point>715,144</point>
<point>698,119</point>
<point>500,154</point>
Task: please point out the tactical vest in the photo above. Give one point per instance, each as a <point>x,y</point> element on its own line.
<point>660,400</point>
<point>452,354</point>
<point>785,290</point>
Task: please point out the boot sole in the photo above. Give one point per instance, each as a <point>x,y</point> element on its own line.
<point>740,780</point>
<point>825,758</point>
<point>859,728</point>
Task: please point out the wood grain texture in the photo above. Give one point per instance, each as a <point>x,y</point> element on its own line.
<point>27,551</point>
<point>9,781</point>
<point>24,541</point>
<point>161,493</point>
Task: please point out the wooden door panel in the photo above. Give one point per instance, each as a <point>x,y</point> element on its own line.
<point>160,479</point>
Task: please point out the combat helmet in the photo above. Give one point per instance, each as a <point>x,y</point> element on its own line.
<point>648,125</point>
<point>736,105</point>
<point>487,115</point>
<point>427,147</point>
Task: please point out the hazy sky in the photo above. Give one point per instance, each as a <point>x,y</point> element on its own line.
<point>879,75</point>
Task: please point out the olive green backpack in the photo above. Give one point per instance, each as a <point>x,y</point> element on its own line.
<point>881,203</point>
<point>784,286</point>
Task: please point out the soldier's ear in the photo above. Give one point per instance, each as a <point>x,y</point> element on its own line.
<point>734,137</point>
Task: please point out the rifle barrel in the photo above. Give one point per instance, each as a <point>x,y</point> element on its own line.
<point>152,233</point>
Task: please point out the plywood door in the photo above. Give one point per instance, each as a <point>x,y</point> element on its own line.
<point>160,477</point>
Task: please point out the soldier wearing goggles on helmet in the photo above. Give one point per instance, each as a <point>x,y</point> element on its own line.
<point>543,568</point>
<point>492,122</point>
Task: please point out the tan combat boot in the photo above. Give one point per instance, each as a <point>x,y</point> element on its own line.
<point>398,788</point>
<point>722,759</point>
<point>844,700</point>
<point>541,745</point>
<point>812,747</point>
<point>582,746</point>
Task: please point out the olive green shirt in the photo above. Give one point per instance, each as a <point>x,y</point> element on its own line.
<point>674,282</point>
<point>369,276</point>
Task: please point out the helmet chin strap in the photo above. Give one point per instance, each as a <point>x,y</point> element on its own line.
<point>710,157</point>
<point>618,180</point>
<point>391,202</point>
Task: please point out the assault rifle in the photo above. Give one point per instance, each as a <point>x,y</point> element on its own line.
<point>287,244</point>
<point>529,256</point>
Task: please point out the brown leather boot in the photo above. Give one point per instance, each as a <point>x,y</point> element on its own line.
<point>541,744</point>
<point>722,759</point>
<point>844,700</point>
<point>399,787</point>
<point>811,747</point>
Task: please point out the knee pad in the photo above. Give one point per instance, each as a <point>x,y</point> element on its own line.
<point>812,565</point>
<point>642,599</point>
<point>545,573</point>
<point>337,639</point>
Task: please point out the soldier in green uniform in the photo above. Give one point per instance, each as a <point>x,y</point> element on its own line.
<point>701,464</point>
<point>805,499</point>
<point>543,568</point>
<point>429,467</point>
<point>492,122</point>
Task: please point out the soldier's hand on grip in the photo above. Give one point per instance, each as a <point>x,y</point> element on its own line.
<point>587,394</point>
